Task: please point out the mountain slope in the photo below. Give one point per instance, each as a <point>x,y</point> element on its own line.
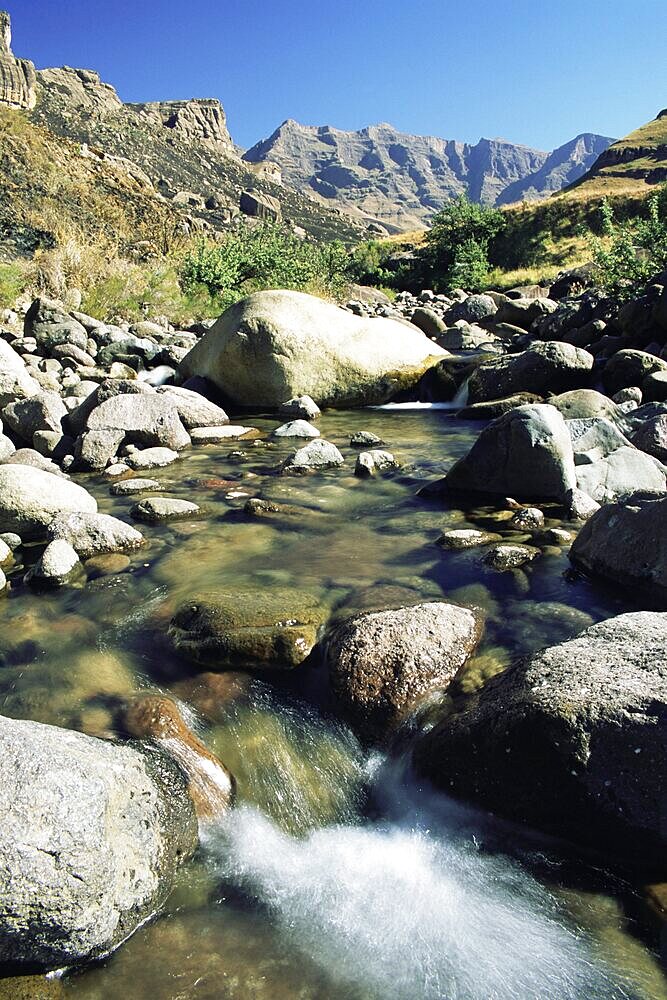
<point>401,179</point>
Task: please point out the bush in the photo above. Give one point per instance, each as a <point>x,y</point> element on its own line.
<point>457,244</point>
<point>265,256</point>
<point>629,254</point>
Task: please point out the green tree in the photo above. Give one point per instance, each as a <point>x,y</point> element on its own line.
<point>457,244</point>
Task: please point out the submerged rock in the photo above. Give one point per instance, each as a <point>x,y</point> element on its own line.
<point>370,462</point>
<point>276,345</point>
<point>91,836</point>
<point>381,663</point>
<point>253,630</point>
<point>153,510</point>
<point>626,543</point>
<point>507,557</point>
<point>316,455</point>
<point>571,740</point>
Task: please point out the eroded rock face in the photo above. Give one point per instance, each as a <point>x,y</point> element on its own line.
<point>381,663</point>
<point>91,836</point>
<point>571,740</point>
<point>260,630</point>
<point>626,543</point>
<point>17,76</point>
<point>278,344</point>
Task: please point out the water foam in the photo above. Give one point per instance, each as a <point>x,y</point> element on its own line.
<point>407,915</point>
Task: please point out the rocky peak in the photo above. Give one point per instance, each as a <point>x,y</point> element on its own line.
<point>196,119</point>
<point>17,76</point>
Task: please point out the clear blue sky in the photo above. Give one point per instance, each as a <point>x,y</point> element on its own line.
<point>529,71</point>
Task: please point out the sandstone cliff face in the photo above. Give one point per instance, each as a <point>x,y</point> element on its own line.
<point>202,119</point>
<point>401,179</point>
<point>17,76</point>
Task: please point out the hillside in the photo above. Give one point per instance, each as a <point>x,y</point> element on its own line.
<point>402,179</point>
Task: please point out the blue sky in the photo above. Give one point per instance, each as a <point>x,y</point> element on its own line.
<point>528,71</point>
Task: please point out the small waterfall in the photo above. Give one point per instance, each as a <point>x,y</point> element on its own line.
<point>461,398</point>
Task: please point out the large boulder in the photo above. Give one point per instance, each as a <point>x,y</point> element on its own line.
<point>30,498</point>
<point>194,409</point>
<point>526,453</point>
<point>42,412</point>
<point>585,404</point>
<point>151,420</point>
<point>629,367</point>
<point>382,662</point>
<point>278,344</point>
<point>94,534</point>
<point>550,366</point>
<point>254,629</point>
<point>572,740</point>
<point>50,325</point>
<point>626,543</point>
<point>622,471</point>
<point>91,836</point>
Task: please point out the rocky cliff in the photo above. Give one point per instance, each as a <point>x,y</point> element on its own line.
<point>17,76</point>
<point>401,179</point>
<point>640,156</point>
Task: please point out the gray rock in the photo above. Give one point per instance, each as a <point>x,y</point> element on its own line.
<point>466,538</point>
<point>153,510</point>
<point>300,407</point>
<point>316,455</point>
<point>228,432</point>
<point>94,449</point>
<point>7,448</point>
<point>370,462</point>
<point>365,439</point>
<point>594,438</point>
<point>110,387</point>
<point>629,368</point>
<point>428,321</point>
<point>528,519</point>
<point>296,428</point>
<point>506,557</point>
<point>587,404</point>
<point>194,409</point>
<point>381,663</point>
<point>57,565</point>
<point>94,534</point>
<point>150,420</point>
<point>92,835</point>
<point>550,366</point>
<point>42,412</point>
<point>632,394</point>
<point>150,458</point>
<point>572,740</point>
<point>579,505</point>
<point>473,309</point>
<point>130,486</point>
<point>33,458</point>
<point>526,453</point>
<point>30,498</point>
<point>654,386</point>
<point>626,542</point>
<point>15,380</point>
<point>651,437</point>
<point>50,325</point>
<point>623,471</point>
<point>524,312</point>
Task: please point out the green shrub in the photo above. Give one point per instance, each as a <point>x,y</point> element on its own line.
<point>629,253</point>
<point>457,244</point>
<point>12,283</point>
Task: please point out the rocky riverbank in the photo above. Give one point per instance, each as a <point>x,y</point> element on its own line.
<point>122,472</point>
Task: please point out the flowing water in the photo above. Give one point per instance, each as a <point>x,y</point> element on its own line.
<point>337,876</point>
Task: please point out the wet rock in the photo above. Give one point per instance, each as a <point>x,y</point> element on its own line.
<point>528,519</point>
<point>622,471</point>
<point>194,409</point>
<point>57,566</point>
<point>210,785</point>
<point>629,368</point>
<point>275,345</point>
<point>130,486</point>
<point>229,432</point>
<point>296,429</point>
<point>466,538</point>
<point>255,507</point>
<point>579,505</point>
<point>492,408</point>
<point>557,536</point>
<point>91,838</point>
<point>253,630</point>
<point>507,557</point>
<point>314,456</point>
<point>150,458</point>
<point>94,534</point>
<point>30,498</point>
<point>211,694</point>
<point>117,469</point>
<point>300,407</point>
<point>106,565</point>
<point>154,510</point>
<point>370,462</point>
<point>381,663</point>
<point>365,439</point>
<point>525,453</point>
<point>571,740</point>
<point>626,543</point>
<point>551,365</point>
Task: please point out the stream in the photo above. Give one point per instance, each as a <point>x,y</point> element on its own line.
<point>338,875</point>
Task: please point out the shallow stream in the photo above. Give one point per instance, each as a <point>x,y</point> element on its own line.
<point>337,876</point>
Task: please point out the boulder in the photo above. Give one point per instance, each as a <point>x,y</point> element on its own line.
<point>428,321</point>
<point>15,381</point>
<point>584,404</point>
<point>507,557</point>
<point>493,408</point>
<point>523,312</point>
<point>551,366</point>
<point>151,420</point>
<point>526,453</point>
<point>376,460</point>
<point>194,409</point>
<point>381,663</point>
<point>626,543</point>
<point>651,437</point>
<point>654,386</point>
<point>154,510</point>
<point>313,457</point>
<point>42,412</point>
<point>95,448</point>
<point>248,630</point>
<point>296,429</point>
<point>302,407</point>
<point>278,344</point>
<point>150,458</point>
<point>473,309</point>
<point>627,368</point>
<point>50,325</point>
<point>92,835</point>
<point>571,740</point>
<point>594,438</point>
<point>94,534</point>
<point>30,498</point>
<point>624,470</point>
<point>56,566</point>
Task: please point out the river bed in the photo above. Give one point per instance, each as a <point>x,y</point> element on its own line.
<point>337,876</point>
